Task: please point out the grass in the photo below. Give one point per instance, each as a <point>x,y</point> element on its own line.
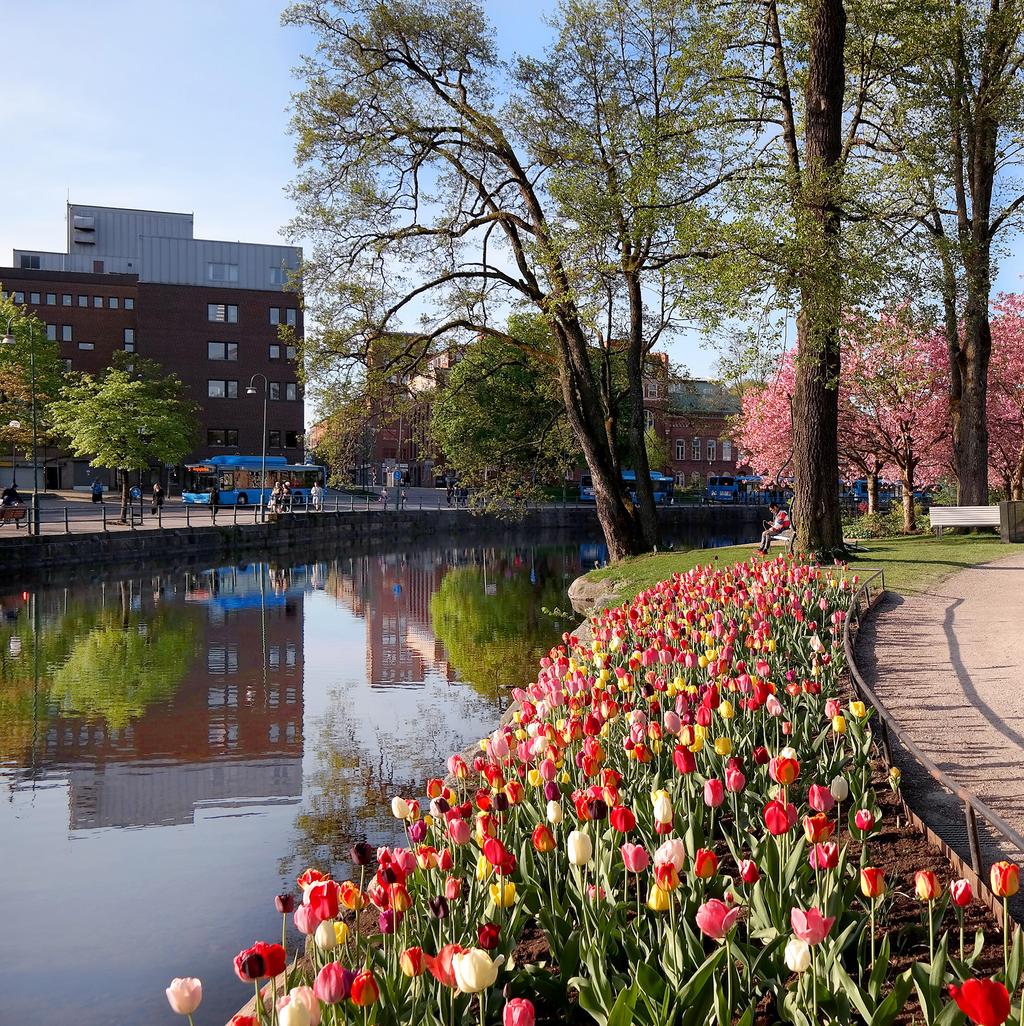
<point>911,564</point>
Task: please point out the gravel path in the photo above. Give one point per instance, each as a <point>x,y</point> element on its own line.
<point>948,663</point>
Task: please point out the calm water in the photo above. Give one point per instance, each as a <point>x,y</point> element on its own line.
<point>176,748</point>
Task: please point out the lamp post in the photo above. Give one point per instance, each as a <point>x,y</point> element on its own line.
<point>14,425</point>
<point>10,340</point>
<point>251,390</point>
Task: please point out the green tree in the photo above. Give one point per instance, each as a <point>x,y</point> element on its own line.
<point>130,416</point>
<point>576,185</point>
<point>499,420</point>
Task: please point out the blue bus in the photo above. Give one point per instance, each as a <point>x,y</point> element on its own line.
<point>238,478</point>
<point>662,485</point>
<point>721,488</point>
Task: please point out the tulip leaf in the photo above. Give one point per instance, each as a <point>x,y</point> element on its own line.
<point>949,1016</point>
<point>887,1011</point>
<point>852,991</point>
<point>622,1011</point>
<point>1013,967</point>
<point>879,969</point>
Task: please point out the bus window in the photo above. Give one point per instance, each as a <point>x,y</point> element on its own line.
<point>227,481</point>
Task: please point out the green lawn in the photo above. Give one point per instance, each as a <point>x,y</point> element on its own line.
<point>911,564</point>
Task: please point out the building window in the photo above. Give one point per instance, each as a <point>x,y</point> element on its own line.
<point>65,333</point>
<point>67,365</point>
<point>221,272</point>
<point>86,345</point>
<point>34,297</point>
<point>112,302</point>
<point>274,439</point>
<point>291,390</point>
<point>291,439</point>
<point>129,303</point>
<point>712,450</point>
<point>650,389</point>
<point>648,420</point>
<point>275,315</point>
<point>223,313</point>
<point>220,388</point>
<point>97,302</point>
<point>275,390</point>
<point>19,298</point>
<point>129,336</point>
<point>30,263</point>
<point>278,275</point>
<point>680,449</point>
<point>290,352</point>
<point>51,298</point>
<point>695,450</point>
<point>290,317</point>
<point>727,451</point>
<point>275,352</point>
<point>129,347</point>
<point>65,300</point>
<point>83,300</point>
<point>51,332</point>
<point>222,436</point>
<point>222,350</point>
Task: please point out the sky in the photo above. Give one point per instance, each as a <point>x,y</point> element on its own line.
<point>180,106</point>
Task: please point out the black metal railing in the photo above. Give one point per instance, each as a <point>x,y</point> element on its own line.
<point>974,808</point>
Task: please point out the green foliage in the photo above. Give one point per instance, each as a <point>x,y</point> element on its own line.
<point>878,525</point>
<point>131,416</point>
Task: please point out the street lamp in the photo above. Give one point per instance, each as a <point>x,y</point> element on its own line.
<point>251,390</point>
<point>14,425</point>
<point>10,340</point>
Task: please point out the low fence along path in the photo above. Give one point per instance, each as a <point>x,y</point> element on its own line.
<point>948,663</point>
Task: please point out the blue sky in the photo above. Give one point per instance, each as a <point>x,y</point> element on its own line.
<point>177,106</point>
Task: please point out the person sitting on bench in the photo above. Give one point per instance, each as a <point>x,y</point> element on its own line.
<point>780,522</point>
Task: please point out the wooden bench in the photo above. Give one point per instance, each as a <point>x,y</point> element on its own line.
<point>788,537</point>
<point>963,516</point>
<point>12,515</point>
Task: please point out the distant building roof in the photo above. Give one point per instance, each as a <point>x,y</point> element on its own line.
<point>696,395</point>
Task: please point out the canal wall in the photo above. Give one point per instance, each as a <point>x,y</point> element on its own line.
<point>27,558</point>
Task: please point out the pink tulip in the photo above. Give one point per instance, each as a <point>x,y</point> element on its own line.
<point>735,781</point>
<point>810,926</point>
<point>459,831</point>
<point>302,996</point>
<point>306,920</point>
<point>635,857</point>
<point>673,851</point>
<point>518,1012</point>
<point>548,770</point>
<point>820,798</point>
<point>672,722</point>
<point>833,708</point>
<point>716,919</point>
<point>184,995</point>
<point>714,793</point>
<point>824,855</point>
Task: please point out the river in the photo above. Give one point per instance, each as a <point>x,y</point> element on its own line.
<point>176,747</point>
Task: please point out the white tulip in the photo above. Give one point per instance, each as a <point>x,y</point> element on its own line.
<point>400,808</point>
<point>798,955</point>
<point>325,937</point>
<point>840,789</point>
<point>554,813</point>
<point>579,847</point>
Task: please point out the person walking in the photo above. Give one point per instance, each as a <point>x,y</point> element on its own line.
<point>276,496</point>
<point>779,523</point>
<point>158,498</point>
<point>384,497</point>
<point>316,494</point>
<point>403,498</point>
<point>97,491</point>
<point>214,501</point>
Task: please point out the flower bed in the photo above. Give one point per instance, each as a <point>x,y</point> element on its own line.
<point>679,826</point>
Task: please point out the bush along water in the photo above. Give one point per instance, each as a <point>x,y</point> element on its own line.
<point>676,827</point>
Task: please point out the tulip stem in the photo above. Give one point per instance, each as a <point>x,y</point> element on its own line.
<point>284,931</point>
<point>1006,940</point>
<point>931,932</point>
<point>872,933</point>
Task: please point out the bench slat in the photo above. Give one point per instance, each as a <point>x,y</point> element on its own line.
<point>964,516</point>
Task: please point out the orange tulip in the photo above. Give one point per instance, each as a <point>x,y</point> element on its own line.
<point>872,882</point>
<point>1005,879</point>
<point>926,885</point>
<point>818,828</point>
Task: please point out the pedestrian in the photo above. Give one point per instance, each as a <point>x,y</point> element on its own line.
<point>214,501</point>
<point>779,523</point>
<point>384,496</point>
<point>286,495</point>
<point>158,498</point>
<point>97,491</point>
<point>404,496</point>
<point>276,496</point>
<point>316,494</point>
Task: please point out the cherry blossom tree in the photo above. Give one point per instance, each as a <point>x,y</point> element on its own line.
<point>1006,397</point>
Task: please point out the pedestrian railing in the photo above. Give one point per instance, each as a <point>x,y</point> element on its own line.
<point>868,592</point>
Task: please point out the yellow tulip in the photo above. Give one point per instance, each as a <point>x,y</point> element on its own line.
<point>723,746</point>
<point>503,897</point>
<point>658,900</point>
<point>839,724</point>
<point>726,710</point>
<point>340,932</point>
<point>534,778</point>
<point>859,709</point>
<point>483,869</point>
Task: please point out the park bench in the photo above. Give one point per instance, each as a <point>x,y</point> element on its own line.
<point>12,514</point>
<point>963,516</point>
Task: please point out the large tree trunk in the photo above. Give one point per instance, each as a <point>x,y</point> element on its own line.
<point>872,480</point>
<point>971,444</point>
<point>816,396</point>
<point>907,480</point>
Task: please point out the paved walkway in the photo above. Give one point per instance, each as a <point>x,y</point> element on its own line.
<point>949,665</point>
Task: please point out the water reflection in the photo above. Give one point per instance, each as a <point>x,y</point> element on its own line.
<point>191,740</point>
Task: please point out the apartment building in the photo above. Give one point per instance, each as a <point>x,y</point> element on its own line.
<point>210,311</point>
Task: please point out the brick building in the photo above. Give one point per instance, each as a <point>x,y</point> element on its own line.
<point>210,311</point>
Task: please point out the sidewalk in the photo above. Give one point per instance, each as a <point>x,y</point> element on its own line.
<point>949,665</point>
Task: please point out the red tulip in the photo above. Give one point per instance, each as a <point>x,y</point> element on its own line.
<point>518,1012</point>
<point>779,818</point>
<point>543,838</point>
<point>784,769</point>
<point>824,856</point>
<point>818,828</point>
<point>872,882</point>
<point>364,989</point>
<point>749,873</point>
<point>684,759</point>
<point>960,893</point>
<point>1005,879</point>
<point>411,962</point>
<point>487,936</point>
<point>322,898</point>
<point>705,864</point>
<point>864,820</point>
<point>985,1002</point>
<point>622,819</point>
<point>440,966</point>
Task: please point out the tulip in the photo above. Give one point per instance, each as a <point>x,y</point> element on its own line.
<point>453,888</point>
<point>674,851</point>
<point>438,905</point>
<point>518,1012</point>
<point>417,831</point>
<point>985,1002</point>
<point>839,724</point>
<point>820,798</point>
<point>543,839</point>
<point>810,926</point>
<point>714,792</point>
<point>1005,879</point>
<point>859,709</point>
<point>960,893</point>
<point>840,789</point>
<point>777,817</point>
<point>723,745</point>
<point>333,983</point>
<point>684,760</point>
<point>302,996</point>
<point>749,873</point>
<point>440,966</point>
<point>864,820</point>
<point>364,989</point>
<point>503,897</point>
<point>459,831</point>
<point>306,920</point>
<point>705,864</point>
<point>635,857</point>
<point>487,935</point>
<point>784,768</point>
<point>666,876</point>
<point>400,808</point>
<point>663,813</point>
<point>554,813</point>
<point>824,856</point>
<point>579,847</point>
<point>872,882</point>
<point>475,970</point>
<point>658,900</point>
<point>184,995</point>
<point>797,955</point>
<point>716,919</point>
<point>926,885</point>
<point>325,938</point>
<point>322,898</point>
<point>411,962</point>
<point>293,1013</point>
<point>622,819</point>
<point>285,903</point>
